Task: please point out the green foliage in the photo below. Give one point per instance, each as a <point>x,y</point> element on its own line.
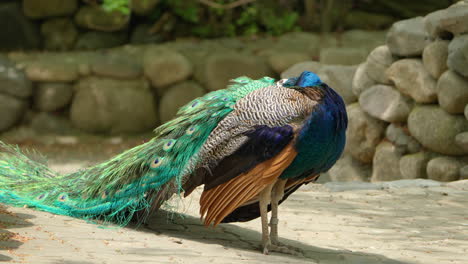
<point>258,17</point>
<point>117,5</point>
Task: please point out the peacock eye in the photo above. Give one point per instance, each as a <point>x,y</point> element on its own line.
<point>194,104</point>
<point>168,145</point>
<point>156,163</point>
<point>190,130</point>
<point>225,98</point>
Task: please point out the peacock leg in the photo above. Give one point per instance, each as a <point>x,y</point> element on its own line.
<point>265,197</point>
<point>276,196</point>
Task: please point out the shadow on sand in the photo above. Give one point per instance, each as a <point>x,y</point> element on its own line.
<point>233,236</point>
<point>9,240</point>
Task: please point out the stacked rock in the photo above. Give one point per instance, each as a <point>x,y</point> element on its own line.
<point>413,92</point>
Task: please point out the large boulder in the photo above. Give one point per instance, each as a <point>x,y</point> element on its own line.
<point>116,66</point>
<point>59,34</point>
<point>453,19</point>
<point>117,106</point>
<point>378,62</point>
<point>413,166</point>
<point>52,96</point>
<point>347,169</point>
<point>297,69</point>
<point>462,140</point>
<point>51,70</point>
<point>400,137</point>
<point>93,40</point>
<point>219,68</point>
<point>17,32</point>
<point>386,163</point>
<point>12,80</point>
<point>444,169</point>
<point>340,78</point>
<point>435,129</point>
<point>361,79</point>
<point>96,18</point>
<point>165,67</point>
<point>49,8</point>
<point>177,96</point>
<point>12,110</point>
<point>412,79</point>
<point>452,91</point>
<point>435,57</point>
<point>407,37</point>
<point>364,133</point>
<point>385,103</point>
<point>458,55</point>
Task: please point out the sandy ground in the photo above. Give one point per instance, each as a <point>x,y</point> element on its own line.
<point>398,222</point>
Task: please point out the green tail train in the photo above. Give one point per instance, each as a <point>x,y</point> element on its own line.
<point>114,190</point>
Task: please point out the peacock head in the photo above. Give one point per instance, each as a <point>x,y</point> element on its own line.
<point>306,79</point>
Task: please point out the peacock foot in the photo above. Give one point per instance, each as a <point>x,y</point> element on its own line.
<point>281,248</point>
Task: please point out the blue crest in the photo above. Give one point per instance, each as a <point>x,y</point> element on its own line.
<point>306,79</point>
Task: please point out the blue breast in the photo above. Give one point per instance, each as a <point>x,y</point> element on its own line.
<point>322,138</point>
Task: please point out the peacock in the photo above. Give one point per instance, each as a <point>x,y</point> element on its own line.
<point>251,145</point>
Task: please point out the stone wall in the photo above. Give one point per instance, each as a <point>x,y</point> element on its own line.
<point>408,104</point>
<point>134,88</point>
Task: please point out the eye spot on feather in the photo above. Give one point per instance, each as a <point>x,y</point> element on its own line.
<point>226,99</point>
<point>62,197</point>
<point>156,162</point>
<point>190,130</point>
<point>194,104</point>
<point>40,197</point>
<point>169,144</point>
<point>105,194</point>
<point>213,97</point>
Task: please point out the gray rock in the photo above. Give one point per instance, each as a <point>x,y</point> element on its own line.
<point>141,35</point>
<point>49,70</point>
<point>462,140</point>
<point>302,42</point>
<point>281,61</point>
<point>464,173</point>
<point>413,166</point>
<point>466,112</point>
<point>347,169</point>
<point>340,78</point>
<point>458,55</point>
<point>13,81</point>
<point>386,163</point>
<point>143,7</point>
<point>435,57</point>
<point>400,138</point>
<point>219,68</point>
<point>165,67</point>
<point>92,40</point>
<point>18,32</point>
<point>116,106</point>
<point>12,110</point>
<point>116,66</point>
<point>49,8</point>
<point>59,34</point>
<point>177,96</point>
<point>363,135</point>
<point>444,169</point>
<point>452,91</point>
<point>96,18</point>
<point>297,69</point>
<point>351,186</point>
<point>453,19</point>
<point>358,38</point>
<point>412,79</point>
<point>385,103</point>
<point>378,62</point>
<point>407,37</point>
<point>361,80</point>
<point>52,96</point>
<point>435,129</point>
<point>342,56</point>
<point>48,123</point>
